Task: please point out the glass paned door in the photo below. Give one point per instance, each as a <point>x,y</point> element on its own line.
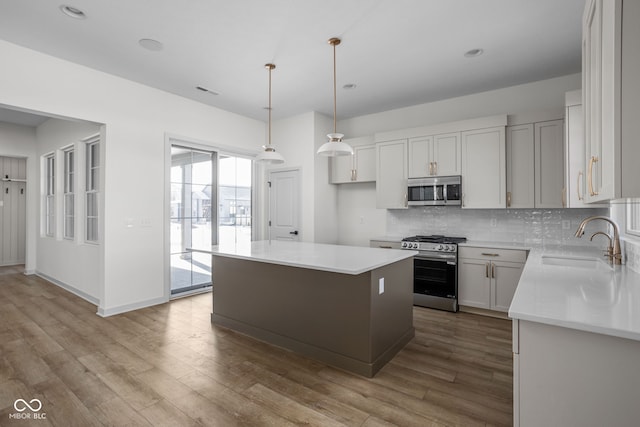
<point>234,199</point>
<point>193,199</point>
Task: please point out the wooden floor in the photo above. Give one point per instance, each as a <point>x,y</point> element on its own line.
<point>167,365</point>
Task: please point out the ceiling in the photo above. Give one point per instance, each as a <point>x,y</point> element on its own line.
<point>397,52</point>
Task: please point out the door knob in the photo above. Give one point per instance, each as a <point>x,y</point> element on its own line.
<point>294,232</point>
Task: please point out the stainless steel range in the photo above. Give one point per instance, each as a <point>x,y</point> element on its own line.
<point>435,270</point>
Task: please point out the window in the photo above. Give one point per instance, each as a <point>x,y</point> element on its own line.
<point>49,195</point>
<point>92,189</point>
<point>69,196</point>
<point>633,218</point>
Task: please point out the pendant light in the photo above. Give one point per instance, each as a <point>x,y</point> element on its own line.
<point>335,146</point>
<point>269,154</point>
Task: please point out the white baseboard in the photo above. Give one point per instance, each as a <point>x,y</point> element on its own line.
<point>85,296</point>
<point>106,312</point>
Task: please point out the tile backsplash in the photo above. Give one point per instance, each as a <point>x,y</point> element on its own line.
<point>631,252</point>
<point>534,227</point>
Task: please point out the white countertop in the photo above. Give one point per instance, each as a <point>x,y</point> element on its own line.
<point>315,256</point>
<point>495,245</point>
<point>594,297</point>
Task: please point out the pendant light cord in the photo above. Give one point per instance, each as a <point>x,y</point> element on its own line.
<point>270,68</point>
<point>335,127</point>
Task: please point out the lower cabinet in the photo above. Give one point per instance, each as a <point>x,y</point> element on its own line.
<point>487,277</point>
<point>568,377</point>
<point>385,244</point>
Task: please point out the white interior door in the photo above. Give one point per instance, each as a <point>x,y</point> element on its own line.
<point>284,204</point>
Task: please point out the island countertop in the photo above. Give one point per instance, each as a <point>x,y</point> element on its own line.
<point>316,256</point>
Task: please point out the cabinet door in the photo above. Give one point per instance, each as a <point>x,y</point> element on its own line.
<point>483,168</point>
<point>549,162</point>
<point>473,283</point>
<point>341,167</point>
<point>520,166</point>
<point>365,163</point>
<point>446,154</point>
<point>420,157</point>
<point>574,157</point>
<point>504,281</point>
<point>601,85</point>
<point>391,174</point>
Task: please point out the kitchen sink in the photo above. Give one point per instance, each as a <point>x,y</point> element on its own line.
<point>589,263</point>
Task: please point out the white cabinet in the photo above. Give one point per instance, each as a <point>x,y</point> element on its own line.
<point>520,166</point>
<point>549,164</point>
<point>487,277</point>
<point>391,174</point>
<point>568,377</point>
<point>535,177</point>
<point>483,168</point>
<point>437,155</point>
<point>359,167</point>
<point>611,98</point>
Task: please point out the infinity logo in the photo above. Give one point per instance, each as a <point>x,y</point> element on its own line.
<point>26,405</point>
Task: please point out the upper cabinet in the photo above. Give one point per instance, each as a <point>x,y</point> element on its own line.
<point>520,166</point>
<point>549,164</point>
<point>391,174</point>
<point>483,168</point>
<point>437,155</point>
<point>611,98</point>
<point>535,147</point>
<point>359,167</point>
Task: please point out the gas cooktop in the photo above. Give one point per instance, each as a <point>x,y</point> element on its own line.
<point>435,238</point>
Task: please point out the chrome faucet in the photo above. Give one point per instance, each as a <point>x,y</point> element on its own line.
<point>613,251</point>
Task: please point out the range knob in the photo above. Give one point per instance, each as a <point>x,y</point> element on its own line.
<point>404,245</point>
<point>440,247</point>
<point>415,246</point>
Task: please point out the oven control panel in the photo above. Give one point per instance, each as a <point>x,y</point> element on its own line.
<point>435,247</point>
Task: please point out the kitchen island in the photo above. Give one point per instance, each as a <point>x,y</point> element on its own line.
<point>350,307</point>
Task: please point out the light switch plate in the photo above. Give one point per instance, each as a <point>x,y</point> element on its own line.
<point>381,286</point>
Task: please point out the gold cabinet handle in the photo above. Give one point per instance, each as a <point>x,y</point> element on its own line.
<point>486,270</point>
<point>508,199</point>
<point>354,175</point>
<point>593,160</point>
<point>430,168</point>
<point>578,186</point>
<point>435,168</point>
<point>406,200</point>
<point>493,271</point>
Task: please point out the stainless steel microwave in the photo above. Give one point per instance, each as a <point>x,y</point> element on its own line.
<point>435,190</point>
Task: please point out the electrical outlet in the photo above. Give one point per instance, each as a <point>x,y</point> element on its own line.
<point>566,224</point>
<point>493,222</point>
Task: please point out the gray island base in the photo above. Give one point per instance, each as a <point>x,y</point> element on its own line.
<point>355,320</point>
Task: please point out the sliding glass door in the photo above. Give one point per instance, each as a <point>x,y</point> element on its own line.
<point>210,204</point>
<point>193,196</point>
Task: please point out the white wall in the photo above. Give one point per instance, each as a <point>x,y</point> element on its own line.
<point>528,97</point>
<point>359,219</point>
<point>137,118</point>
<point>72,263</point>
<point>297,139</point>
<point>20,141</point>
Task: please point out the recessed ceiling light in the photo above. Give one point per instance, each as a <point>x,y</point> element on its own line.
<point>349,86</point>
<point>150,44</point>
<point>473,53</point>
<point>204,89</point>
<point>72,12</point>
